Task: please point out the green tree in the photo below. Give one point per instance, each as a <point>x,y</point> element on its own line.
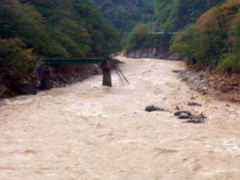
<point>214,39</point>
<point>16,63</point>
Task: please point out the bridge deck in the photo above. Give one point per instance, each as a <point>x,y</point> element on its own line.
<point>74,61</point>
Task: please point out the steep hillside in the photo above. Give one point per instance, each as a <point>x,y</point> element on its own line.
<point>125,14</point>
<point>171,17</point>
<point>214,40</point>
<point>30,29</point>
<point>176,14</point>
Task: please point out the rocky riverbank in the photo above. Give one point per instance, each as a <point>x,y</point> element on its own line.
<point>223,86</point>
<point>60,76</point>
<point>153,53</point>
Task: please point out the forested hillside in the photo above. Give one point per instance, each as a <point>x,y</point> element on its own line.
<point>58,28</point>
<point>176,14</point>
<point>171,16</point>
<point>214,40</point>
<point>126,14</point>
<point>30,29</point>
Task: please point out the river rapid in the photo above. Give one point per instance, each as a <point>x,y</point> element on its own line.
<point>89,132</point>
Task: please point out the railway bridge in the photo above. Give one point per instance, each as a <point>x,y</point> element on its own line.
<point>43,72</point>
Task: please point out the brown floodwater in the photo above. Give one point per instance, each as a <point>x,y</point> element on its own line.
<point>89,132</point>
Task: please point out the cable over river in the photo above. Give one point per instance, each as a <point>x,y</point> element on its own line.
<point>89,132</point>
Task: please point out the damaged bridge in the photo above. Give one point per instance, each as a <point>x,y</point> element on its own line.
<point>44,75</point>
<point>60,61</point>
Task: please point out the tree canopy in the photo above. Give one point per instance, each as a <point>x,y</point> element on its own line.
<point>174,15</point>
<point>171,16</point>
<point>31,29</point>
<point>125,14</point>
<point>214,40</point>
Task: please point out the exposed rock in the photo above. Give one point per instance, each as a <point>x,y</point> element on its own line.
<point>97,70</point>
<point>184,116</point>
<point>177,71</point>
<point>194,104</point>
<point>24,88</point>
<point>68,74</point>
<point>177,108</point>
<point>195,120</point>
<point>222,86</point>
<point>192,118</point>
<point>178,113</point>
<point>150,53</point>
<point>46,84</point>
<point>152,108</point>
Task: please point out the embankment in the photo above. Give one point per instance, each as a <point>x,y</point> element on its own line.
<point>60,76</point>
<point>68,74</point>
<point>150,53</point>
<point>224,87</point>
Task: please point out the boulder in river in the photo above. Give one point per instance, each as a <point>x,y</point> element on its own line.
<point>195,120</point>
<point>152,108</point>
<point>194,104</point>
<point>184,116</point>
<point>179,113</point>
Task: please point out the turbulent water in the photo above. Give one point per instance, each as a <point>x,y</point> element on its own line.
<point>89,132</point>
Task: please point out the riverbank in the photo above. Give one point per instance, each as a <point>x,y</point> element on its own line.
<point>69,74</point>
<point>60,76</point>
<point>153,53</point>
<point>225,87</point>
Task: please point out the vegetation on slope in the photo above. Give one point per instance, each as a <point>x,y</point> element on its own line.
<point>125,14</point>
<point>141,37</point>
<point>171,16</point>
<point>43,28</point>
<point>174,15</point>
<point>214,41</point>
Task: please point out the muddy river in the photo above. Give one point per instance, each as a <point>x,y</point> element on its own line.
<point>89,132</point>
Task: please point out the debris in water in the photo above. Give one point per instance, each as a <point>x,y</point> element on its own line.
<point>152,108</point>
<point>195,120</point>
<point>194,104</point>
<point>179,113</point>
<point>177,71</point>
<point>192,118</point>
<point>177,107</point>
<point>184,116</point>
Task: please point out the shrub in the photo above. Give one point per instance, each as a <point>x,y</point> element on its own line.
<point>214,40</point>
<point>230,63</point>
<point>16,63</point>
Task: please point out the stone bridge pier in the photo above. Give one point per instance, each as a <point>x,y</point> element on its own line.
<point>44,71</point>
<point>106,70</point>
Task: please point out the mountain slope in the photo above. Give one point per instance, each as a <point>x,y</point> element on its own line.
<point>213,41</point>
<point>126,14</point>
<point>171,17</point>
<point>31,29</point>
<point>174,15</point>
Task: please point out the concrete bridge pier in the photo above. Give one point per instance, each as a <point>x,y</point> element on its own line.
<point>106,69</point>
